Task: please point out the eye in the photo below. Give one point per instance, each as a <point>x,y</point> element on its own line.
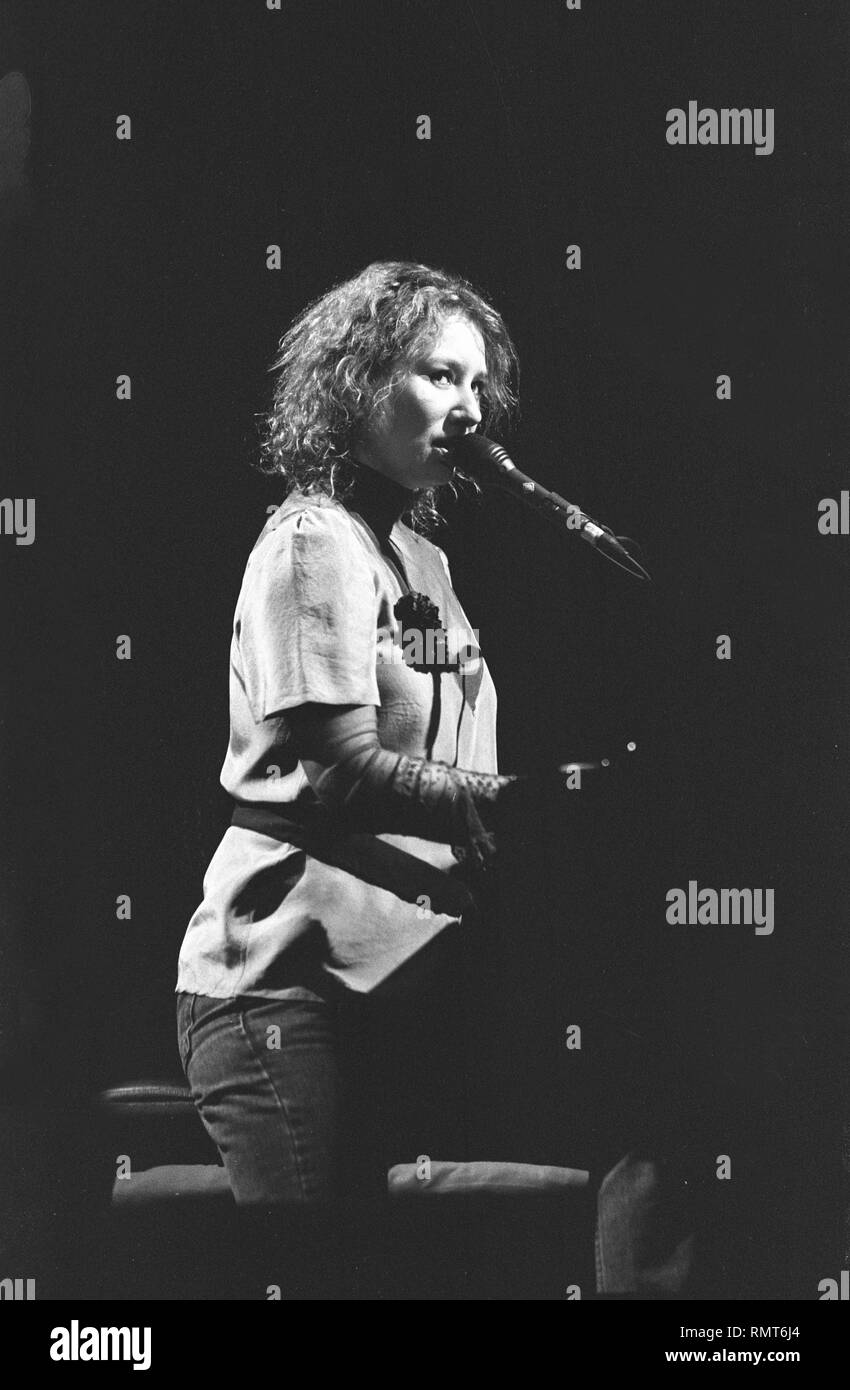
<point>441,372</point>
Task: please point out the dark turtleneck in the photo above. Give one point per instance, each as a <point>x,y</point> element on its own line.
<point>378,499</point>
<point>380,502</point>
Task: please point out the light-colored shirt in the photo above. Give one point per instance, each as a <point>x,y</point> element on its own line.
<point>314,622</point>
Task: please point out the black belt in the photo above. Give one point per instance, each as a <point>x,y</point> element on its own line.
<point>365,856</point>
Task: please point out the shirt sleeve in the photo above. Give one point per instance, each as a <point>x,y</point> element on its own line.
<point>307,625</point>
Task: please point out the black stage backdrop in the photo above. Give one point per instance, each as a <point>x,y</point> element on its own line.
<point>147,257</point>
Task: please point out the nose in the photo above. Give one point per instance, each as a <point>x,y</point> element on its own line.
<point>466,410</point>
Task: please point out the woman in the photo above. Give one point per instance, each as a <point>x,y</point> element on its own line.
<point>362,754</point>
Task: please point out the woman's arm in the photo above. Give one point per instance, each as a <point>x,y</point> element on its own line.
<point>379,790</point>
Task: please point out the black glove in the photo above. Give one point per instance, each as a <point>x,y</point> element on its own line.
<point>514,819</point>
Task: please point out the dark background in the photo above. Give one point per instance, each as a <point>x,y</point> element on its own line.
<point>548,128</point>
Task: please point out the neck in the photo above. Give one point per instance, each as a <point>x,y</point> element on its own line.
<point>378,499</point>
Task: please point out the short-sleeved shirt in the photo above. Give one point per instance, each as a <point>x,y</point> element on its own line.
<point>315,622</point>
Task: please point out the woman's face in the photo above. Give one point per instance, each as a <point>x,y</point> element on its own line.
<point>438,400</point>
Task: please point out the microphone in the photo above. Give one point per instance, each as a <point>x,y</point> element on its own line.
<point>490,464</point>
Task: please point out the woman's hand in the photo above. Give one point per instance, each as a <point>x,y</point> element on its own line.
<point>513,820</point>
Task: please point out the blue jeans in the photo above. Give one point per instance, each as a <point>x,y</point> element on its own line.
<point>309,1102</point>
<point>264,1079</point>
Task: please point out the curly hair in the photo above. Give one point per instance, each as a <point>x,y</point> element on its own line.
<point>345,354</point>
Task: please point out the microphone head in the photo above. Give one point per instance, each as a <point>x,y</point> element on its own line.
<point>482,459</point>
